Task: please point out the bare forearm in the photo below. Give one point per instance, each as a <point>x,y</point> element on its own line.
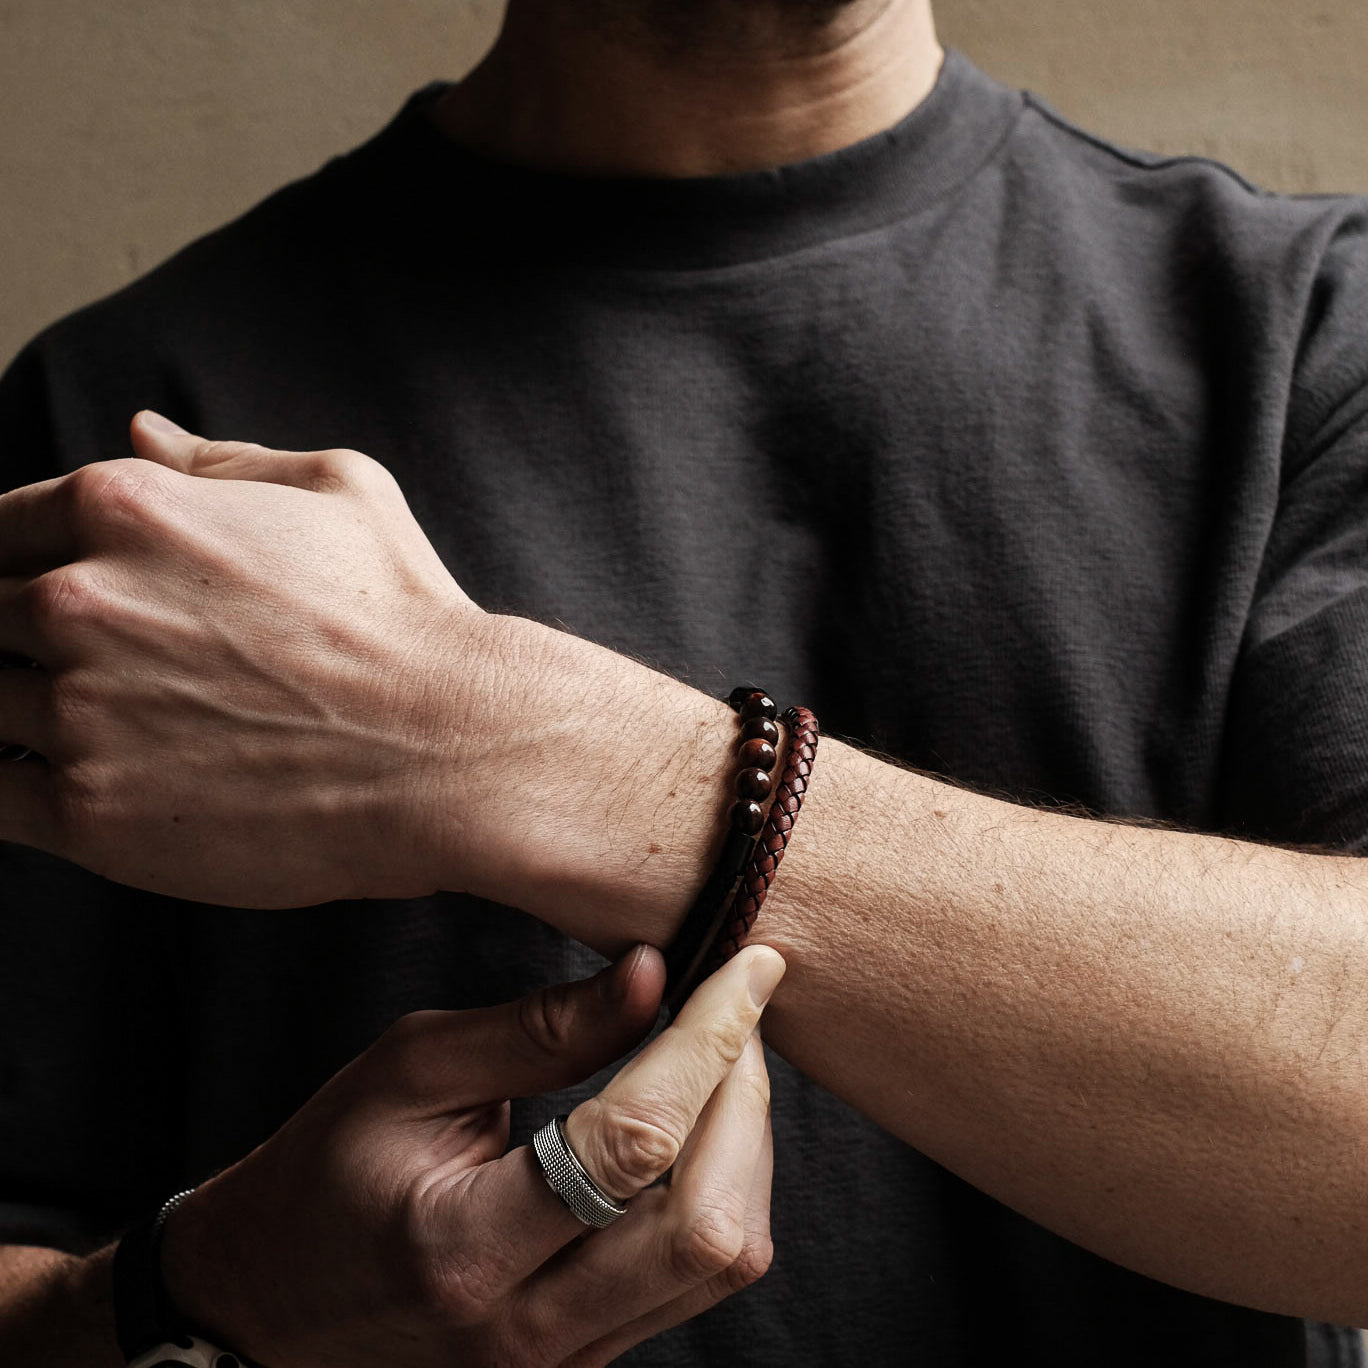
<point>56,1309</point>
<point>1149,1041</point>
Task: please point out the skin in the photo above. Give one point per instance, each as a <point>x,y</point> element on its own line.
<point>1164,1023</point>
<point>385,1223</point>
<point>808,78</point>
<point>654,88</point>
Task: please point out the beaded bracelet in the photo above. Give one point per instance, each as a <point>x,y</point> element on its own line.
<point>758,756</point>
<point>769,850</point>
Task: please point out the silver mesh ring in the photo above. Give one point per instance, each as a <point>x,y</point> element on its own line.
<point>565,1176</point>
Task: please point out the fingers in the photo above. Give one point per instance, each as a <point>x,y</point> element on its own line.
<point>20,642</point>
<point>634,1130</point>
<point>441,1062</point>
<point>752,1265</point>
<point>26,804</point>
<point>716,1170</point>
<point>56,522</point>
<point>685,1246</point>
<point>494,1219</point>
<point>156,438</point>
<point>36,529</point>
<point>23,708</point>
<point>25,781</point>
<point>503,1218</point>
<point>50,523</point>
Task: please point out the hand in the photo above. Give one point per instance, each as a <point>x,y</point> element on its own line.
<point>384,1226</point>
<point>259,686</point>
<point>254,667</point>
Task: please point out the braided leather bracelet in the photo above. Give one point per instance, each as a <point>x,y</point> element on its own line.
<point>757,755</point>
<point>769,851</point>
<point>723,914</point>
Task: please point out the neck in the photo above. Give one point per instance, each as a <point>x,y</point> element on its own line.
<point>691,87</point>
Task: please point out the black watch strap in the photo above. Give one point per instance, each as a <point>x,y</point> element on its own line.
<point>143,1317</point>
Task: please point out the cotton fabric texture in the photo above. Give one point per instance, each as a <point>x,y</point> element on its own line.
<point>1023,458</point>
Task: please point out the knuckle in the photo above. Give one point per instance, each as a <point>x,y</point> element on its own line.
<point>342,468</point>
<point>749,1266</point>
<point>81,801</point>
<point>367,469</point>
<point>208,453</point>
<point>462,1283</point>
<point>546,1020</point>
<point>113,490</point>
<point>707,1245</point>
<point>325,472</point>
<point>66,595</point>
<point>630,1151</point>
<point>345,459</point>
<point>726,1036</point>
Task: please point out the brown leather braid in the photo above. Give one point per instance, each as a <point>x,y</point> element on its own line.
<point>769,851</point>
<point>686,954</point>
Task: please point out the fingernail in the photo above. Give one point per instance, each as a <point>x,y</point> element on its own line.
<point>765,972</point>
<point>159,423</point>
<point>617,978</point>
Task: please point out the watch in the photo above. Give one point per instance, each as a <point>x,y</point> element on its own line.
<point>150,1333</point>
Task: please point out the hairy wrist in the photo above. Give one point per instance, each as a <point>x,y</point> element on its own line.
<point>57,1309</point>
<point>600,788</point>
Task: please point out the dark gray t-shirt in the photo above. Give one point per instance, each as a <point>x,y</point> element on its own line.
<point>1025,459</point>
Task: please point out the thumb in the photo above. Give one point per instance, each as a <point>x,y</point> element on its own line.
<point>545,1041</point>
<point>157,438</point>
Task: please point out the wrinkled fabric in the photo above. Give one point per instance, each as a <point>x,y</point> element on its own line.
<point>1025,459</point>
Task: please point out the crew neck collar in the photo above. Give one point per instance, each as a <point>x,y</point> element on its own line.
<point>711,221</point>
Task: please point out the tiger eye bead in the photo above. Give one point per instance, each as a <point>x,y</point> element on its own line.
<point>748,818</point>
<point>760,729</point>
<point>758,755</point>
<point>753,783</point>
<point>759,704</point>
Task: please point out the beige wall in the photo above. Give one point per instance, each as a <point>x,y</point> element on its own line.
<point>128,128</point>
<point>1278,88</point>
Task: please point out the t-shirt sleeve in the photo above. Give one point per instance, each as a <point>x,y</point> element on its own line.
<point>1295,763</point>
